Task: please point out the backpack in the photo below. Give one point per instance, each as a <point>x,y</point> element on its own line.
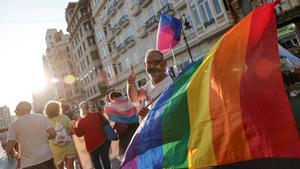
<point>62,138</point>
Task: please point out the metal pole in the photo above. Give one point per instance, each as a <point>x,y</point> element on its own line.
<point>175,64</point>
<point>189,50</point>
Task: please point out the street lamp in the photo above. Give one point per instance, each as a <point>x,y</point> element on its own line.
<point>187,27</point>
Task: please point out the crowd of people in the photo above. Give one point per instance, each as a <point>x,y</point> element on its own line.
<point>291,75</point>
<point>45,140</point>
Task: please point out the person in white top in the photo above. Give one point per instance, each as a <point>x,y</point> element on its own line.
<point>155,66</point>
<point>31,132</point>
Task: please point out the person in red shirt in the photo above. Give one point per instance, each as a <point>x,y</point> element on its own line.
<point>95,139</point>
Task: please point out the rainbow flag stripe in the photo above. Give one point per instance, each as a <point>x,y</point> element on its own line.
<point>229,108</point>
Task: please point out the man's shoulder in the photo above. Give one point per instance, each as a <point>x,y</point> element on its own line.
<point>38,115</point>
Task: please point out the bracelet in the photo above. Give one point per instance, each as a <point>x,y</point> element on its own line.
<point>130,83</point>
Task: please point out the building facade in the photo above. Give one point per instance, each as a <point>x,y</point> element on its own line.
<point>125,30</point>
<point>288,20</point>
<point>87,60</point>
<point>59,68</point>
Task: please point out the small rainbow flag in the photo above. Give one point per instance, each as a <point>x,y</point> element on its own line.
<point>231,107</point>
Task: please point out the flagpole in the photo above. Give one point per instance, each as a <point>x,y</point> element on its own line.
<point>175,64</point>
<point>188,48</point>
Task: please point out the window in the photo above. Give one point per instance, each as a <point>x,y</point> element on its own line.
<point>139,21</point>
<point>104,52</point>
<point>142,82</point>
<point>120,67</point>
<point>87,60</point>
<point>127,63</point>
<point>164,2</point>
<point>133,2</point>
<point>94,55</point>
<point>94,88</point>
<point>115,69</point>
<point>87,26</point>
<point>84,47</point>
<point>150,12</point>
<point>91,40</point>
<point>80,32</point>
<point>99,35</point>
<point>67,48</point>
<point>217,6</point>
<point>109,72</point>
<point>136,58</point>
<point>205,11</point>
<point>194,12</point>
<point>189,19</point>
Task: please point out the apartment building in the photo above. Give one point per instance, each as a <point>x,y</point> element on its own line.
<point>288,20</point>
<point>125,30</point>
<point>87,61</point>
<point>59,69</point>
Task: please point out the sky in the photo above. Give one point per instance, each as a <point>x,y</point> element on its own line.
<point>23,25</point>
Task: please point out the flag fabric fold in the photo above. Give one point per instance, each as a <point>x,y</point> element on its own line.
<point>231,107</point>
<point>168,33</point>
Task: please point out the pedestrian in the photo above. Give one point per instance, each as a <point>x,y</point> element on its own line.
<point>155,66</point>
<point>90,127</point>
<point>121,111</point>
<point>62,153</point>
<point>66,109</point>
<point>289,75</point>
<point>32,132</point>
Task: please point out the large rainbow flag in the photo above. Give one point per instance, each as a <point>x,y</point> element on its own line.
<point>229,108</point>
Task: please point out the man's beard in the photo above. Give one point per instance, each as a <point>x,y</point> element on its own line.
<point>153,71</point>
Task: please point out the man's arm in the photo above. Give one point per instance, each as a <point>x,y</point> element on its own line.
<point>10,150</point>
<point>51,133</point>
<point>134,95</point>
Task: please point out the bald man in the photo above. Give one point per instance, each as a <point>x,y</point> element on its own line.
<point>155,66</point>
<point>31,132</point>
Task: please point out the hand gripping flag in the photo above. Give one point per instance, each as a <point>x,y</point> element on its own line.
<point>168,33</point>
<point>231,107</point>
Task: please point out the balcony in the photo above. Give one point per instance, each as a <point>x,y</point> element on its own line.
<point>121,48</point>
<point>110,36</point>
<point>98,7</point>
<point>124,21</point>
<point>210,22</point>
<point>142,32</point>
<point>135,9</point>
<point>179,4</point>
<point>129,41</point>
<point>152,22</point>
<point>118,3</point>
<point>144,3</point>
<point>116,29</point>
<point>111,11</point>
<point>167,9</point>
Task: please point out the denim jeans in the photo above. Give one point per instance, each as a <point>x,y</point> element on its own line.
<point>101,153</point>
